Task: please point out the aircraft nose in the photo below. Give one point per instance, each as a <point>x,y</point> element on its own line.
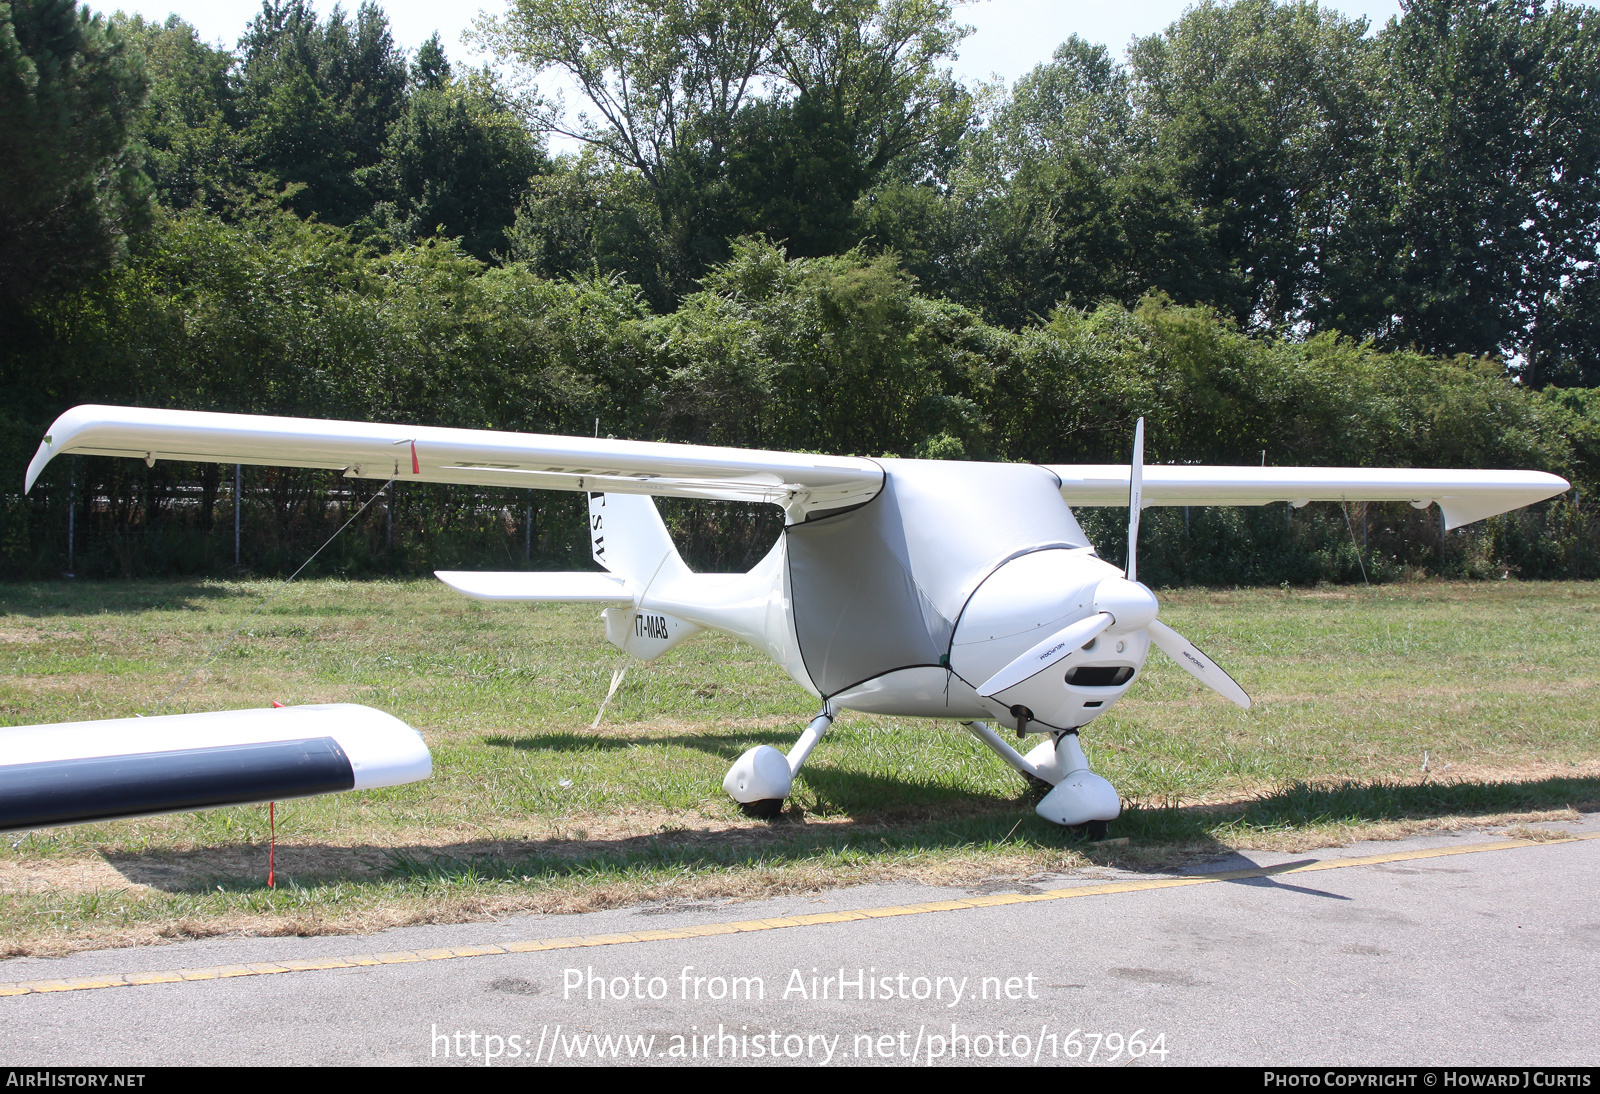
<point>1131,604</point>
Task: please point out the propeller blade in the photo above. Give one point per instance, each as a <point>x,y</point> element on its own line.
<point>1059,646</point>
<point>1135,498</point>
<point>1197,664</point>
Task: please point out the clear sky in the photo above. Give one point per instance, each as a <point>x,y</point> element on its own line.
<point>1012,36</point>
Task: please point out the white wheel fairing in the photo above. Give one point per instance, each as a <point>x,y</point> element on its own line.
<point>760,774</point>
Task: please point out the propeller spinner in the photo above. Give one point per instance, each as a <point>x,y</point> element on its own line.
<point>1123,605</point>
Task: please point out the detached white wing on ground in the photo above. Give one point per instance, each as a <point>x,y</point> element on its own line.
<point>83,772</point>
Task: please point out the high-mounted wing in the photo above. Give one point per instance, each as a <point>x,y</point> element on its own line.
<point>475,457</point>
<point>801,484</point>
<point>1464,496</point>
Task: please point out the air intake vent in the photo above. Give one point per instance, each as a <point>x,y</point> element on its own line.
<point>1100,676</point>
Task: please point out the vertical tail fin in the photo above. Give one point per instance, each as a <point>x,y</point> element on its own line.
<point>628,538</point>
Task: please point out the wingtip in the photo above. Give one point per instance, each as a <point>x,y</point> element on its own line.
<point>36,466</point>
<point>1536,487</point>
<point>58,439</point>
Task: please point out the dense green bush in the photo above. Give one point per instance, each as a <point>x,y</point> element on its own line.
<point>837,354</point>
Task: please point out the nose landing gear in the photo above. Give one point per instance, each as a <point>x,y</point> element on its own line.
<point>1080,797</point>
<point>1077,798</point>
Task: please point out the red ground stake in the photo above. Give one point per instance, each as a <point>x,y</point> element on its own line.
<point>272,847</point>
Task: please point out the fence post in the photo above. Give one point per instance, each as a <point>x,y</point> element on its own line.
<point>72,513</point>
<point>238,478</point>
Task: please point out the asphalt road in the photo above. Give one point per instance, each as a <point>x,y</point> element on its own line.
<point>1488,957</point>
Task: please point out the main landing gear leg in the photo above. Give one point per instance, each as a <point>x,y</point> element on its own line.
<point>761,779</point>
<point>1027,766</point>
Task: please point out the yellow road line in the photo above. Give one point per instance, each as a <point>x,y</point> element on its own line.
<point>707,930</point>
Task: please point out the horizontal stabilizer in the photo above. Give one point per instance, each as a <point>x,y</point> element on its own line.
<point>1463,496</point>
<point>82,772</point>
<point>552,588</point>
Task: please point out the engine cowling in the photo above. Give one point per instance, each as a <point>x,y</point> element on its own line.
<point>1026,600</point>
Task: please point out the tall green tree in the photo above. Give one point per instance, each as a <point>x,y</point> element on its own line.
<point>317,99</point>
<point>659,75</point>
<point>1053,200</point>
<point>189,129</point>
<point>1263,115</point>
<point>590,218</point>
<point>747,116</point>
<point>1492,157</point>
<point>71,185</point>
<point>872,68</point>
<point>430,68</point>
<point>456,163</point>
<point>1077,104</point>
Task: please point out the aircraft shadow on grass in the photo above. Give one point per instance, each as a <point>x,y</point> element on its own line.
<point>51,599</point>
<point>1196,834</point>
<point>855,793</point>
<point>723,744</point>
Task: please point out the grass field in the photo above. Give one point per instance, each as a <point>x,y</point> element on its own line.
<point>529,809</point>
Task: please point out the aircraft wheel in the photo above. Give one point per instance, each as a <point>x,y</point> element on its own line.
<point>1038,788</point>
<point>765,809</point>
<point>1093,831</point>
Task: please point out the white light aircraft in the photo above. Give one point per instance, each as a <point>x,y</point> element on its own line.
<point>914,588</point>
